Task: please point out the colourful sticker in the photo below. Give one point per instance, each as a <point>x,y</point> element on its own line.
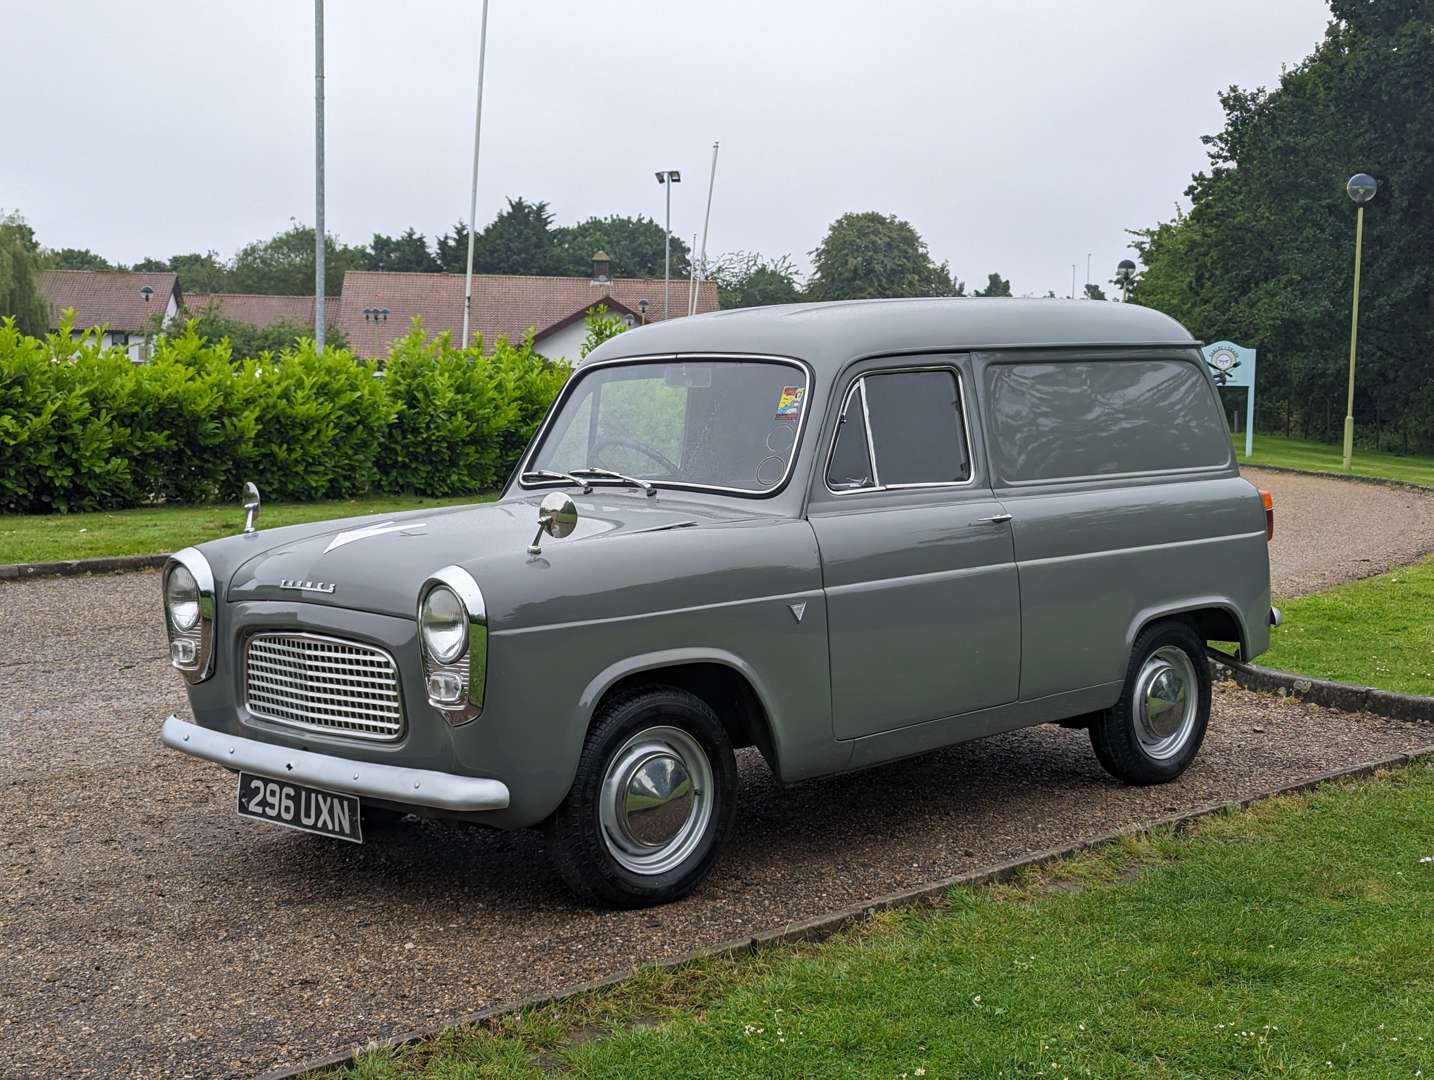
<point>789,405</point>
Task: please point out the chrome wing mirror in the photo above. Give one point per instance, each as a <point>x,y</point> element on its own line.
<point>250,502</point>
<point>557,516</point>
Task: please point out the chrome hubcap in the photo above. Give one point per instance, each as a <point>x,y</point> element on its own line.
<point>656,800</point>
<point>1166,702</point>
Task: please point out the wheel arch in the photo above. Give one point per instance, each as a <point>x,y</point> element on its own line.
<point>725,681</point>
<point>1213,618</point>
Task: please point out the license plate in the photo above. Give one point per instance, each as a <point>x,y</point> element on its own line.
<point>298,807</point>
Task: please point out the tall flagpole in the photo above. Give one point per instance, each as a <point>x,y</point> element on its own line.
<point>706,220</point>
<point>319,287</point>
<point>473,201</point>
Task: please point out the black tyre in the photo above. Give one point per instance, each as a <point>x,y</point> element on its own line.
<point>1154,731</point>
<point>652,800</point>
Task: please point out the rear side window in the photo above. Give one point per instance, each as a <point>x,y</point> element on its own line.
<point>1066,421</point>
<point>900,429</point>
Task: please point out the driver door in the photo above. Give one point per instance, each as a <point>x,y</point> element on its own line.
<point>923,604</point>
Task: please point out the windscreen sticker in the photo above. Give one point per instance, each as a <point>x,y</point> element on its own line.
<point>789,405</point>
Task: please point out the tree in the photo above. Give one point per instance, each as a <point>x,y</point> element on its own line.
<point>1264,254</point>
<point>74,259</point>
<point>246,342</point>
<point>634,244</point>
<point>408,252</point>
<point>747,279</point>
<point>601,326</point>
<point>873,255</point>
<point>203,272</point>
<point>518,241</point>
<point>996,285</point>
<point>451,249</point>
<point>1094,291</point>
<point>20,295</point>
<point>284,264</point>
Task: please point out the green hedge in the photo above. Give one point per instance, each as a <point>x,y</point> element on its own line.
<point>82,428</point>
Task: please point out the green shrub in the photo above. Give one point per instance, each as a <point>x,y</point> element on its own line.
<point>81,427</point>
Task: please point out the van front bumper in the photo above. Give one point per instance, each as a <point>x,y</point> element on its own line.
<point>391,783</point>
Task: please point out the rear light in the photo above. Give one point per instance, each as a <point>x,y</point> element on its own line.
<point>1269,514</point>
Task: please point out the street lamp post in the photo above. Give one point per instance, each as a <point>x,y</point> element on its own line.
<point>667,177</point>
<point>1361,189</point>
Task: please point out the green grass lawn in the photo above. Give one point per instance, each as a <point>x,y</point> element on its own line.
<point>1322,457</point>
<point>1295,938</point>
<point>1376,632</point>
<point>162,529</point>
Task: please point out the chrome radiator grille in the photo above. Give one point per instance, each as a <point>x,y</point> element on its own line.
<point>323,684</point>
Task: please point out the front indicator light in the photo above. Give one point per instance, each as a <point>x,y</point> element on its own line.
<point>183,652</point>
<point>445,688</point>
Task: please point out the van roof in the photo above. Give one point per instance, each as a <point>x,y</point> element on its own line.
<point>829,335</point>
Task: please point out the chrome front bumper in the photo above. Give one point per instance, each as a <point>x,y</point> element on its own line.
<point>391,783</point>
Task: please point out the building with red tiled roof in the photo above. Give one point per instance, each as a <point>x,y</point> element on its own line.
<point>132,305</point>
<point>379,307</point>
<point>260,309</point>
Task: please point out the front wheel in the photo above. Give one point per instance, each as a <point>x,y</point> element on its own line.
<point>651,802</point>
<point>1152,734</point>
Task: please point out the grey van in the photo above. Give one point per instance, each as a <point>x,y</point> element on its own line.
<point>841,533</point>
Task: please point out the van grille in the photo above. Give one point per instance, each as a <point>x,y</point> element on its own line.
<point>323,684</point>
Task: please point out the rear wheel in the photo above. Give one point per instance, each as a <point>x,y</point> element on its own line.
<point>651,802</point>
<point>1152,734</point>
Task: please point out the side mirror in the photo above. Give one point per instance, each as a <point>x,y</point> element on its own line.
<point>557,516</point>
<point>250,503</point>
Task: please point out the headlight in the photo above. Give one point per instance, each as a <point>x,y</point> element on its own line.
<point>181,599</point>
<point>188,590</point>
<point>444,625</point>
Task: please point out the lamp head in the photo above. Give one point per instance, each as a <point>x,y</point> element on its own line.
<point>1361,188</point>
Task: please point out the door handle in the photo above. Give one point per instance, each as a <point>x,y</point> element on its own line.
<point>997,519</point>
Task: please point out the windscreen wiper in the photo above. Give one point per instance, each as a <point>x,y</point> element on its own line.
<point>608,474</point>
<point>548,474</point>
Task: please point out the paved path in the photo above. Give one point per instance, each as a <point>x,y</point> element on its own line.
<point>145,929</point>
<point>1329,531</point>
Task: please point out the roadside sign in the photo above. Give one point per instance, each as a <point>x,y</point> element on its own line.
<point>1234,365</point>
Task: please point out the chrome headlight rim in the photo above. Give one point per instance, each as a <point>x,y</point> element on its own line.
<point>201,631</point>
<point>471,662</point>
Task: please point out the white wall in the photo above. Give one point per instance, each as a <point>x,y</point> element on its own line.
<point>565,344</point>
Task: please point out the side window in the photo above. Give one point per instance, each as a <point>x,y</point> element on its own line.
<point>916,430</point>
<point>1074,419</point>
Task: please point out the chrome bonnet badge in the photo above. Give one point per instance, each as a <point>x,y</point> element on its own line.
<point>307,586</point>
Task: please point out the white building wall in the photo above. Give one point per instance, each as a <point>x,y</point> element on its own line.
<point>565,344</point>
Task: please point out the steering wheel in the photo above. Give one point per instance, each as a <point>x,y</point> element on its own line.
<point>641,447</point>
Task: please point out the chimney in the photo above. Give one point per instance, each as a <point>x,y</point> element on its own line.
<point>601,267</point>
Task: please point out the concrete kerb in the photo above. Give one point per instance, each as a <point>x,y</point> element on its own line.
<point>1346,697</point>
<point>113,564</point>
<point>1381,481</point>
<point>824,926</point>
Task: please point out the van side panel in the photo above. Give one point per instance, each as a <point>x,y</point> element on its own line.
<point>1094,565</point>
<point>1126,505</point>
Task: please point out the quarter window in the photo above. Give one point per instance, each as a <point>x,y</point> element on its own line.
<point>901,429</point>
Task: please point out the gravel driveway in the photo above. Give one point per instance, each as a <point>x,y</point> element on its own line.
<point>1329,531</point>
<point>145,929</point>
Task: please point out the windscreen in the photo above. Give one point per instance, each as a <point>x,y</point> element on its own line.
<point>729,424</point>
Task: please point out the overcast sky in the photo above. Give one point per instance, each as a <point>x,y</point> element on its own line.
<point>1015,135</point>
